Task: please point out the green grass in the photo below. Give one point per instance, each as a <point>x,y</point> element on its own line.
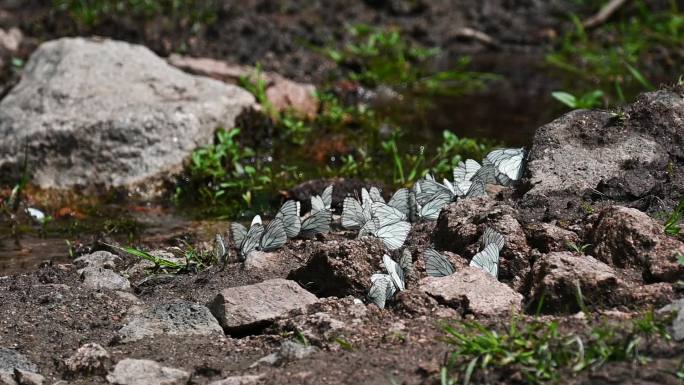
<point>591,99</point>
<point>672,224</point>
<point>580,249</point>
<point>188,13</point>
<point>543,351</point>
<point>618,57</point>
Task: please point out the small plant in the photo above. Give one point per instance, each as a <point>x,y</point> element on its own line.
<point>455,149</point>
<point>407,167</point>
<point>344,344</point>
<point>256,83</point>
<point>672,224</point>
<point>588,100</point>
<point>572,246</point>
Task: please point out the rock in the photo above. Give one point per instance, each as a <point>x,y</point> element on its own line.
<point>340,268</point>
<point>461,224</point>
<point>98,278</point>
<point>472,290</point>
<point>282,93</point>
<point>7,378</point>
<point>547,237</point>
<point>626,237</point>
<point>623,157</point>
<point>261,260</point>
<point>289,351</point>
<point>556,277</point>
<point>176,318</point>
<point>678,320</point>
<point>146,372</point>
<point>24,377</point>
<point>11,359</point>
<point>89,359</point>
<point>245,307</point>
<point>239,380</point>
<point>108,114</point>
<point>103,259</point>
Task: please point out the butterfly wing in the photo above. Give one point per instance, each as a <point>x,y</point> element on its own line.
<point>251,240</point>
<point>394,271</point>
<point>430,211</point>
<point>477,189</point>
<point>255,220</point>
<point>353,216</point>
<point>394,235</point>
<point>289,213</point>
<point>386,214</point>
<point>326,197</point>
<point>375,195</point>
<point>316,223</point>
<point>430,189</point>
<point>220,250</point>
<point>274,236</point>
<point>238,232</point>
<point>487,173</point>
<point>487,260</point>
<point>317,204</point>
<point>436,265</point>
<point>466,171</point>
<point>370,228</point>
<point>491,236</point>
<point>380,289</point>
<point>406,262</point>
<point>508,161</point>
<point>400,201</point>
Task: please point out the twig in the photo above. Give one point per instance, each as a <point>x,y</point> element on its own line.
<point>604,14</point>
<point>474,34</point>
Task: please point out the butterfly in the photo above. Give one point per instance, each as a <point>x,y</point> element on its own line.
<point>220,252</point>
<point>36,215</point>
<point>491,236</point>
<point>392,235</point>
<point>509,162</point>
<point>487,173</point>
<point>487,259</point>
<point>247,240</point>
<point>437,265</point>
<point>477,189</point>
<point>353,214</point>
<point>466,171</point>
<point>289,214</point>
<point>274,236</point>
<point>322,202</point>
<point>395,272</point>
<point>381,289</point>
<point>386,214</point>
<point>406,262</point>
<point>316,223</point>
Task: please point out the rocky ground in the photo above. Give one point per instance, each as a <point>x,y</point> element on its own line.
<point>299,315</point>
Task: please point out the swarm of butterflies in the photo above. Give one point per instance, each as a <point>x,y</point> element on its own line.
<point>390,221</point>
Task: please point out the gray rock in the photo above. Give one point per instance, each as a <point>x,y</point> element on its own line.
<point>243,307</point>
<point>103,113</point>
<point>175,318</point>
<point>146,372</point>
<point>626,237</point>
<point>89,359</point>
<point>98,278</point>
<point>239,380</point>
<point>678,321</point>
<point>289,351</point>
<point>11,359</point>
<point>557,277</point>
<point>261,260</point>
<point>472,290</point>
<point>547,237</point>
<point>103,259</point>
<point>617,157</point>
<point>7,378</point>
<point>24,377</point>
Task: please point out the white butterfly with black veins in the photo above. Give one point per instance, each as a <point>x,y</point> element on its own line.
<point>488,260</point>
<point>491,236</point>
<point>406,262</point>
<point>316,223</point>
<point>437,265</point>
<point>394,271</point>
<point>477,189</point>
<point>353,214</point>
<point>274,236</point>
<point>247,240</point>
<point>381,289</point>
<point>289,213</point>
<point>322,202</point>
<point>386,214</point>
<point>510,162</point>
<point>220,251</point>
<point>392,235</point>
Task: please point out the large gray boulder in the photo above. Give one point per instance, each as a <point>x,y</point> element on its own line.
<point>589,158</point>
<point>108,114</point>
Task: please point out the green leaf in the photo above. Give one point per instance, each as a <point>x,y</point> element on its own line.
<point>565,98</point>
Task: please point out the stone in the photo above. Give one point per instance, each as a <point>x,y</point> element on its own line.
<point>90,358</point>
<point>547,237</point>
<point>244,307</point>
<point>556,277</point>
<point>678,320</point>
<point>11,359</point>
<point>24,377</point>
<point>7,378</point>
<point>108,114</point>
<point>98,278</point>
<point>103,259</point>
<point>146,372</point>
<point>472,290</point>
<point>626,237</point>
<point>461,224</point>
<point>10,40</point>
<point>261,260</point>
<point>179,318</point>
<point>623,158</point>
<point>239,380</point>
<point>341,267</point>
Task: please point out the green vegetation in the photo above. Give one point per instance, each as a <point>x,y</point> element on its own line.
<point>672,224</point>
<point>188,13</point>
<point>589,100</point>
<point>613,56</point>
<point>376,57</point>
<point>193,259</point>
<point>541,351</point>
<point>572,246</point>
